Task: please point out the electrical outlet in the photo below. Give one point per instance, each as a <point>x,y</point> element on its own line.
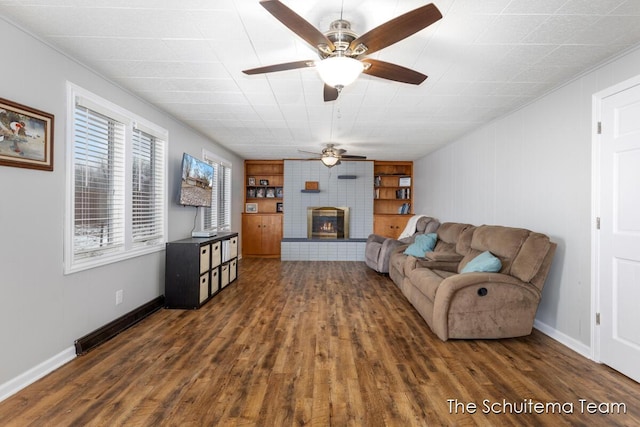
<point>119,297</point>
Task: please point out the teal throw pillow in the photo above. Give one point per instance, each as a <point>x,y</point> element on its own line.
<point>422,243</point>
<point>485,262</point>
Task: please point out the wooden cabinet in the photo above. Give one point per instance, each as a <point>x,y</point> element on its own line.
<point>393,192</point>
<point>389,225</point>
<point>194,268</point>
<point>261,235</point>
<point>264,204</point>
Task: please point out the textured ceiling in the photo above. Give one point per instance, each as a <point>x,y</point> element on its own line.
<point>484,59</point>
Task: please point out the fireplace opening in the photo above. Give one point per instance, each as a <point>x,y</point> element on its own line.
<point>328,223</point>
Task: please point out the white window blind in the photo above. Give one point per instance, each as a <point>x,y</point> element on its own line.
<point>98,184</point>
<point>117,205</point>
<point>147,188</point>
<point>218,217</point>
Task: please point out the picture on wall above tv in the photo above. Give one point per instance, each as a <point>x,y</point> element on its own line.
<point>196,183</point>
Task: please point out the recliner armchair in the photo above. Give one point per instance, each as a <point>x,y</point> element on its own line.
<point>378,249</point>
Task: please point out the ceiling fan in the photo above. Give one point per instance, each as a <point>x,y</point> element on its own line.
<point>330,155</point>
<point>343,53</point>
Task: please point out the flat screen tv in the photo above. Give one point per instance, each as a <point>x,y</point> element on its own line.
<point>196,183</point>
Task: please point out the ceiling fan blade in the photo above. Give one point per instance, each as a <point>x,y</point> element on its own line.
<point>297,24</point>
<point>330,93</point>
<point>310,152</point>
<point>349,156</point>
<point>397,29</point>
<point>389,71</point>
<point>280,67</point>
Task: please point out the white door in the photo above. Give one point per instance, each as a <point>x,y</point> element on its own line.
<point>619,251</point>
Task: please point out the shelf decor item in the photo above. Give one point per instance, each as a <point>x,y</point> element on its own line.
<point>251,207</point>
<point>264,182</point>
<point>311,185</point>
<point>26,137</point>
<point>279,207</point>
<point>252,180</point>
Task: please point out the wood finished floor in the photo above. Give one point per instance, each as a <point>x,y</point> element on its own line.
<point>317,343</point>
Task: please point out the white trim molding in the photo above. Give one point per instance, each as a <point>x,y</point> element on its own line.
<point>13,386</point>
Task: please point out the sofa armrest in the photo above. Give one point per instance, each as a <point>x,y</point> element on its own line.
<point>374,238</point>
<point>466,295</point>
<point>388,247</point>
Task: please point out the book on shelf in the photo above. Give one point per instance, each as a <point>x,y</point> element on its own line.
<point>404,208</point>
<point>403,193</point>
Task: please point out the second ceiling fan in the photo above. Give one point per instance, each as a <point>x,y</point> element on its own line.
<point>343,53</point>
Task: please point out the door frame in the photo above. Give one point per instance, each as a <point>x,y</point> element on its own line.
<point>597,100</point>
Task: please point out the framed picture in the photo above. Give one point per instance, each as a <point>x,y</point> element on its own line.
<point>279,207</point>
<point>260,192</point>
<point>264,182</point>
<point>251,207</point>
<point>252,180</point>
<point>26,136</point>
<point>271,192</point>
<point>251,193</point>
<point>279,193</point>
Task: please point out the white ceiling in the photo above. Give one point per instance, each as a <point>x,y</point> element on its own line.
<point>484,59</point>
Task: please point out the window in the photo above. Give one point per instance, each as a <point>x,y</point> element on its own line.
<point>116,184</point>
<point>218,217</point>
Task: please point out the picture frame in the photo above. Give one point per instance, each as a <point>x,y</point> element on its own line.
<point>251,207</point>
<point>264,182</point>
<point>271,192</point>
<point>252,180</point>
<point>279,207</point>
<point>260,192</point>
<point>279,193</point>
<point>26,136</point>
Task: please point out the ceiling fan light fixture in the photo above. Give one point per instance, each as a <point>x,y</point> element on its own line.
<point>339,71</point>
<point>329,160</point>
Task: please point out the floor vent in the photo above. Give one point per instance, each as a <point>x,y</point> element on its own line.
<point>112,329</point>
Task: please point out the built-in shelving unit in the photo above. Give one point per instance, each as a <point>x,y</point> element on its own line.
<point>264,205</point>
<point>393,196</point>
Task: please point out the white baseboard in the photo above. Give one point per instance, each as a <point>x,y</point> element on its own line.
<point>573,344</point>
<point>13,386</point>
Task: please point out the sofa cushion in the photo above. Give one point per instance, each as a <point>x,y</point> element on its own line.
<point>449,232</point>
<point>502,242</point>
<point>485,262</point>
<point>530,258</point>
<point>422,243</point>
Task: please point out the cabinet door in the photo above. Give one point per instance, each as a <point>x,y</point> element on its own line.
<point>389,226</point>
<point>252,234</point>
<point>271,234</point>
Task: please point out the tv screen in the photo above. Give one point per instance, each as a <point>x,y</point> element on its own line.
<point>197,182</point>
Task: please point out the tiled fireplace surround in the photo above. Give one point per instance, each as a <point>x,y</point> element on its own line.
<point>357,194</point>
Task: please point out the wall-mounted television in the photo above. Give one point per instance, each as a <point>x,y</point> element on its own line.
<point>196,183</point>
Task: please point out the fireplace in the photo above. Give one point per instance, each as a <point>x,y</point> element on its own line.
<point>327,223</point>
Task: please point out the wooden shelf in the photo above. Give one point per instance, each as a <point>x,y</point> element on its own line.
<point>391,198</point>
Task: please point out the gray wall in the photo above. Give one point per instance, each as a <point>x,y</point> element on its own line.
<point>43,311</point>
<point>532,169</point>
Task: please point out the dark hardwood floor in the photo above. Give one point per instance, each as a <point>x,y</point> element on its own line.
<point>319,343</point>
